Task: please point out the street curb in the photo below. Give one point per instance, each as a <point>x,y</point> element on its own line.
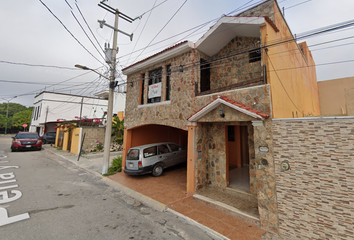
<point>197,224</point>
<point>147,200</point>
<point>137,196</point>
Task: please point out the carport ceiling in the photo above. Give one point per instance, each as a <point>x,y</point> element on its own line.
<point>226,29</point>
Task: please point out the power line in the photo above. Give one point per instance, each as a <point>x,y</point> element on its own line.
<point>142,30</point>
<point>152,8</point>
<point>69,31</point>
<point>202,25</point>
<point>88,26</point>
<point>162,28</point>
<point>37,65</point>
<point>86,34</point>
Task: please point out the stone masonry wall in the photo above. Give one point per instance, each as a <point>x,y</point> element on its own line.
<point>316,196</point>
<point>264,9</point>
<point>92,135</point>
<point>170,113</point>
<point>234,67</point>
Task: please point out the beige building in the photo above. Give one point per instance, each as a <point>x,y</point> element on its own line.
<point>337,97</point>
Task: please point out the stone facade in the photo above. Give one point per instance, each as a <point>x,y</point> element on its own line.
<point>172,113</point>
<point>316,196</point>
<point>264,9</point>
<point>237,68</point>
<point>92,135</point>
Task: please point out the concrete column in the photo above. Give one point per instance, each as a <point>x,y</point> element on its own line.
<point>191,158</point>
<point>127,144</point>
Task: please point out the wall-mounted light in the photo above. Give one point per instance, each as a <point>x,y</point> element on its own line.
<point>131,84</point>
<point>180,68</point>
<point>221,112</point>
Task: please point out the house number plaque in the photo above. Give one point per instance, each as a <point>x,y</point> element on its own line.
<point>263,149</point>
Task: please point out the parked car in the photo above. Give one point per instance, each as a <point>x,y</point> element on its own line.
<point>49,137</point>
<point>154,158</point>
<point>26,140</point>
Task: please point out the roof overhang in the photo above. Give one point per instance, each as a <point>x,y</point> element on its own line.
<point>225,30</point>
<point>160,57</point>
<point>227,102</point>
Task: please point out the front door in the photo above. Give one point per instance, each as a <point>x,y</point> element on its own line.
<point>237,157</point>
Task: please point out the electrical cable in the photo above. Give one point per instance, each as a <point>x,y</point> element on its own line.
<point>142,31</point>
<point>37,65</point>
<point>69,31</point>
<point>87,35</point>
<point>162,28</point>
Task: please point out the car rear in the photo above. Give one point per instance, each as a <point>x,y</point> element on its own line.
<point>134,163</point>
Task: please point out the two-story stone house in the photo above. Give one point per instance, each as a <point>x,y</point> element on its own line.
<point>218,96</point>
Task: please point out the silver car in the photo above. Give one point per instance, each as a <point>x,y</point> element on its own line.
<point>154,158</point>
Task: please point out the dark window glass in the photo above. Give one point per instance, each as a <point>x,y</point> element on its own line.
<point>231,133</point>
<point>204,76</point>
<point>155,77</point>
<point>27,136</point>
<point>255,55</point>
<point>175,147</point>
<point>168,83</point>
<point>163,149</point>
<point>133,154</point>
<point>149,152</point>
<point>142,89</point>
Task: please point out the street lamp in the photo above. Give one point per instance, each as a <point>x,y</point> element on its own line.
<point>107,137</point>
<point>7,112</point>
<point>93,70</point>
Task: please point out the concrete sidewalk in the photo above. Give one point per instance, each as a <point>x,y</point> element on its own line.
<point>167,193</point>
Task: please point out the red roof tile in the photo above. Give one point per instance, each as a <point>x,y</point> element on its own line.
<point>233,103</point>
<point>165,50</point>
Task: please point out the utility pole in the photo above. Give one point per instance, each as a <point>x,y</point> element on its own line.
<point>45,121</point>
<point>112,83</point>
<point>82,102</point>
<point>7,112</point>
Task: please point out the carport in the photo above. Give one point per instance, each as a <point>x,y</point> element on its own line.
<point>172,184</point>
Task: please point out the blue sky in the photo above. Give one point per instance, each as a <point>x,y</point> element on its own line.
<point>31,35</point>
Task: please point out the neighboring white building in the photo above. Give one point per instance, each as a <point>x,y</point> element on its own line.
<point>50,108</point>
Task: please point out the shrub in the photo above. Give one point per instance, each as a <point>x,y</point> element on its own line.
<point>116,166</point>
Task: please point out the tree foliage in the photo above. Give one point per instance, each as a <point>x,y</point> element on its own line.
<point>21,118</point>
<point>17,115</point>
<point>118,129</point>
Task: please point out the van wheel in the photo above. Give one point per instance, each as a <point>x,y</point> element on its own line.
<point>157,170</point>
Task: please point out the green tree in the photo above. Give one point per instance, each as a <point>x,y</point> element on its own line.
<point>2,121</point>
<point>13,108</point>
<point>118,129</point>
<point>21,117</point>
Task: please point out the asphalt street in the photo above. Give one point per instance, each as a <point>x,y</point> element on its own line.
<point>65,202</point>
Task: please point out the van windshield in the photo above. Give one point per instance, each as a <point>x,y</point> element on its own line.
<point>133,154</point>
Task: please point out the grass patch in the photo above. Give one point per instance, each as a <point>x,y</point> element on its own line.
<point>116,166</point>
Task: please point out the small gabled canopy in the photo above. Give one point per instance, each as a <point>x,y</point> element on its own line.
<point>225,30</point>
<point>227,102</point>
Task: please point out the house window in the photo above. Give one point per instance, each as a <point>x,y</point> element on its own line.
<point>154,94</point>
<point>168,83</point>
<point>231,133</point>
<point>142,88</point>
<point>255,55</point>
<point>204,76</point>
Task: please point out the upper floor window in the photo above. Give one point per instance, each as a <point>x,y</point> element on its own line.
<point>255,55</point>
<point>142,88</point>
<point>168,82</point>
<point>154,94</point>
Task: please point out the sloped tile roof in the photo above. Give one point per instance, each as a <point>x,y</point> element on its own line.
<point>226,101</point>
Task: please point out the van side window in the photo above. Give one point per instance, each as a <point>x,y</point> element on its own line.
<point>133,154</point>
<point>149,152</point>
<point>163,149</point>
<point>175,147</point>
